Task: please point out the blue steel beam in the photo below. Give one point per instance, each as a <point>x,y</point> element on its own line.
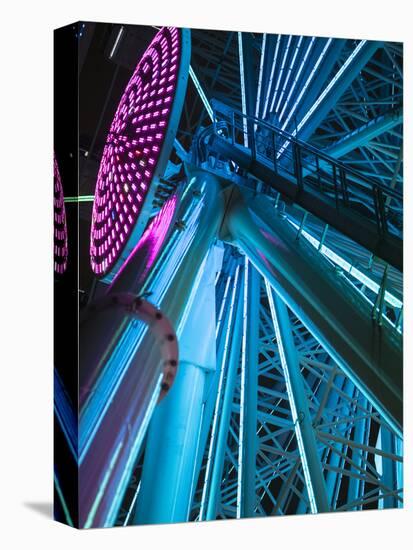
<point>171,451</point>
<point>365,133</point>
<point>201,92</point>
<point>271,76</point>
<point>328,98</point>
<point>260,75</point>
<point>297,75</point>
<point>312,290</point>
<point>247,498</point>
<point>169,284</point>
<point>354,487</point>
<point>333,480</point>
<point>217,386</point>
<point>248,77</point>
<point>280,73</point>
<point>304,430</point>
<point>389,467</point>
<point>321,62</point>
<point>289,73</point>
<point>224,420</point>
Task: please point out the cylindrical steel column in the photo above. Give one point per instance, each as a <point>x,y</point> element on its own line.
<point>173,439</point>
<point>170,286</point>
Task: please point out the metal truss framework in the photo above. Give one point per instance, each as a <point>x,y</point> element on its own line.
<point>254,462</point>
<point>342,96</point>
<point>287,432</point>
<point>283,430</point>
<point>353,442</point>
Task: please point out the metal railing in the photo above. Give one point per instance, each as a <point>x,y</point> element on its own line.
<point>309,167</point>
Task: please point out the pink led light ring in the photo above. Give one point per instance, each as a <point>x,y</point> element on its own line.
<point>60,248</point>
<point>137,149</point>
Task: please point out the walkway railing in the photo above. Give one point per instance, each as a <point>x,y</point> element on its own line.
<point>310,168</point>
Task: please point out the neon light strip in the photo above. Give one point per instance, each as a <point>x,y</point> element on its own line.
<point>128,469</point>
<point>80,198</point>
<point>297,77</point>
<point>103,485</point>
<point>348,267</point>
<point>177,256</point>
<point>290,68</point>
<point>331,84</point>
<point>294,414</point>
<point>115,45</point>
<point>257,104</point>
<point>242,390</point>
<point>65,414</point>
<point>321,96</point>
<point>277,47</point>
<point>109,381</point>
<point>280,73</point>
<point>172,256</point>
<point>224,300</point>
<point>201,93</point>
<point>243,97</point>
<point>135,496</point>
<point>307,83</point>
<point>63,501</point>
<point>218,399</point>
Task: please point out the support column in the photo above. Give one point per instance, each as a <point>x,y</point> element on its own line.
<point>389,475</point>
<point>234,347</point>
<point>304,430</point>
<point>359,432</point>
<point>342,384</point>
<point>249,392</point>
<point>168,482</point>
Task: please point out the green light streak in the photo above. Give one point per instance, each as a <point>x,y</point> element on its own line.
<point>63,502</point>
<point>80,198</point>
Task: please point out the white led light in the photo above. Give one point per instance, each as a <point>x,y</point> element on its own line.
<point>218,399</point>
<point>287,78</point>
<point>243,98</point>
<point>294,413</point>
<point>308,82</point>
<point>331,84</point>
<point>257,104</point>
<point>348,268</point>
<point>115,45</point>
<point>281,72</point>
<point>201,93</point>
<point>274,61</point>
<point>242,389</point>
<point>297,76</point>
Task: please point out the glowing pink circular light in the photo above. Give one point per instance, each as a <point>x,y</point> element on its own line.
<point>60,227</point>
<point>133,155</point>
